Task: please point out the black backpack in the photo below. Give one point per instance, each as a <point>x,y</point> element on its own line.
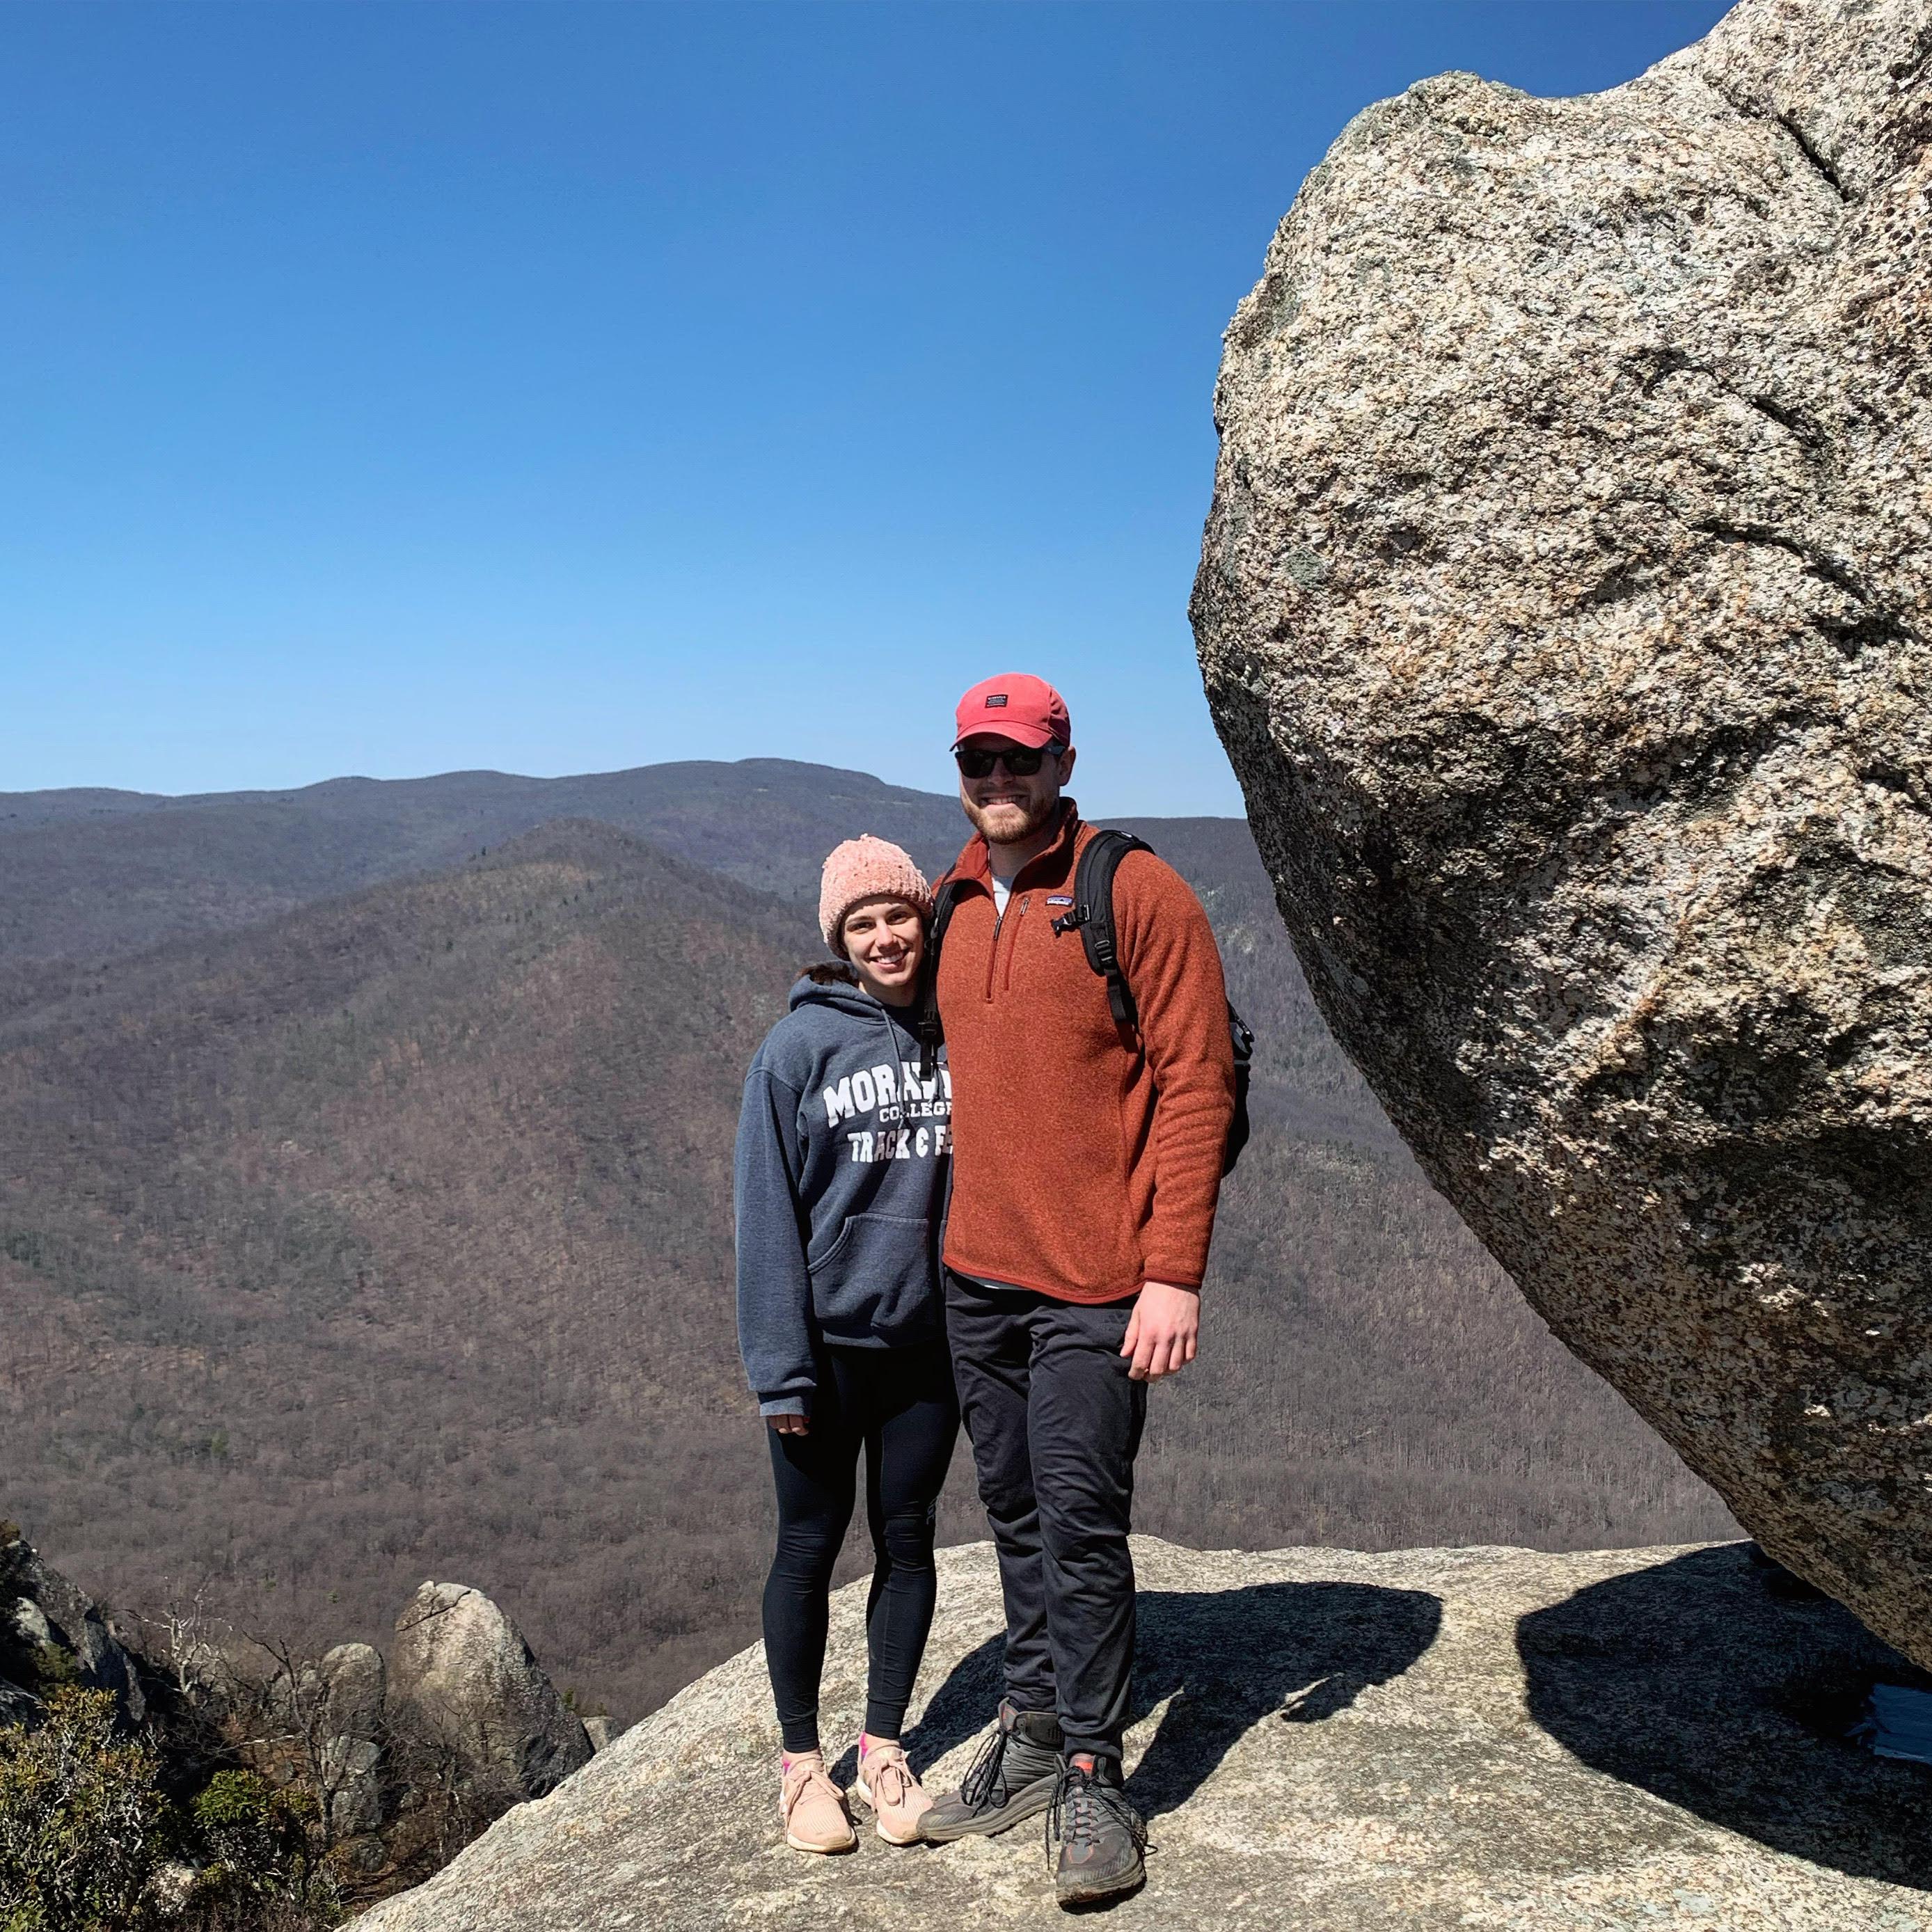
<point>1093,918</point>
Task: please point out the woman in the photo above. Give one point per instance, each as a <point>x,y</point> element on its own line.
<point>841,1187</point>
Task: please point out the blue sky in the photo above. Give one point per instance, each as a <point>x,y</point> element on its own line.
<point>399,388</point>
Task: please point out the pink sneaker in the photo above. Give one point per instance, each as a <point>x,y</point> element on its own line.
<point>812,1806</point>
<point>885,1782</point>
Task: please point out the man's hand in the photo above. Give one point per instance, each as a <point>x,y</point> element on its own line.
<point>1163,1330</point>
<point>789,1425</point>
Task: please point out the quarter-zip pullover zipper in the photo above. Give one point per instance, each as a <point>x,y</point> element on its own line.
<point>1006,977</point>
<point>1016,906</point>
<point>1016,902</point>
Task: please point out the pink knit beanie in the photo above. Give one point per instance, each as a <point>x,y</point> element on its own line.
<point>865,867</point>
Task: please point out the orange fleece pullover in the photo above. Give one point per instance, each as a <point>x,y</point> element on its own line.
<point>1086,1162</point>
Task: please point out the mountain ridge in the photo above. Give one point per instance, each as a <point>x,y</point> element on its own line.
<point>391,1236</point>
<point>100,883</point>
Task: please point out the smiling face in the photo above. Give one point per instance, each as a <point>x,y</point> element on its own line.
<point>1007,810</point>
<point>885,940</point>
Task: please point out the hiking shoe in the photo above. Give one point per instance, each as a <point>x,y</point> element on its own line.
<point>1012,1779</point>
<point>1102,1838</point>
<point>885,1782</point>
<point>813,1806</point>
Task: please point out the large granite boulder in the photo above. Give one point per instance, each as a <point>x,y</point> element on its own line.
<point>1445,1738</point>
<point>461,1676</point>
<point>1565,606</point>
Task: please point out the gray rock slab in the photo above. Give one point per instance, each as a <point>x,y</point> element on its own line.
<point>1565,607</point>
<point>350,1720</point>
<point>1465,1738</point>
<point>51,1610</point>
<point>355,1685</point>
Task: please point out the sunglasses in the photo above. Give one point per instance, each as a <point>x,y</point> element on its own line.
<point>1019,764</point>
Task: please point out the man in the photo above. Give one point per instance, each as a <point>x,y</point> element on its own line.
<point>1086,1165</point>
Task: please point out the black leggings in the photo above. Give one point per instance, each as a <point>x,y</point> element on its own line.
<point>899,1404</point>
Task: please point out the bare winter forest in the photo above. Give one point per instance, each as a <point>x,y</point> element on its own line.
<point>364,1216</point>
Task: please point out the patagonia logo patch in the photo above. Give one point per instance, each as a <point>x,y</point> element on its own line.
<point>1059,899</point>
<point>997,701</point>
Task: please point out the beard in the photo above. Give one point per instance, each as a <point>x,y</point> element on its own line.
<point>1010,824</point>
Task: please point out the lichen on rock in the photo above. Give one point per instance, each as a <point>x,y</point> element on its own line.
<point>1565,606</point>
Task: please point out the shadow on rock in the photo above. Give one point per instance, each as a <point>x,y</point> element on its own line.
<point>1713,1683</point>
<point>1228,1659</point>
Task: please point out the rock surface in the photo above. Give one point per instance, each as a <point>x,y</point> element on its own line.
<point>1565,606</point>
<point>1464,1738</point>
<point>51,1630</point>
<point>352,1729</point>
<point>354,1685</point>
<point>461,1670</point>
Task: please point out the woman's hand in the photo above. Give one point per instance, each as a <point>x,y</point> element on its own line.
<point>789,1425</point>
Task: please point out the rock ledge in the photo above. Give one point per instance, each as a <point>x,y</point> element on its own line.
<point>1465,1738</point>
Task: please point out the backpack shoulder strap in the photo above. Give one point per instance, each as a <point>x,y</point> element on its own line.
<point>945,896</point>
<point>1093,914</point>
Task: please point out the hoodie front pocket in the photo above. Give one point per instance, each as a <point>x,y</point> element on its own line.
<point>878,1278</point>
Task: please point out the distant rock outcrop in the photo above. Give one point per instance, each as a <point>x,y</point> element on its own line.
<point>461,1670</point>
<point>51,1632</point>
<point>393,1770</point>
<point>1566,610</point>
<point>1484,1738</point>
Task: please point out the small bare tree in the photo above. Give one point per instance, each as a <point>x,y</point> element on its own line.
<point>184,1638</point>
<point>437,1813</point>
<point>295,1735</point>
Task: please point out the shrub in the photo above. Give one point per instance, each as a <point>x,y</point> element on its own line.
<point>80,1817</point>
<point>84,1831</point>
<point>53,1666</point>
<point>258,1843</point>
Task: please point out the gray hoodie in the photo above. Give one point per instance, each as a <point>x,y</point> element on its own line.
<point>840,1187</point>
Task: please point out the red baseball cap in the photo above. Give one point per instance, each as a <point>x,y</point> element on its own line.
<point>1028,710</point>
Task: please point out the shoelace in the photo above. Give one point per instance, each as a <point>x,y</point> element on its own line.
<point>1080,1802</point>
<point>982,1774</point>
<point>895,1768</point>
<point>797,1783</point>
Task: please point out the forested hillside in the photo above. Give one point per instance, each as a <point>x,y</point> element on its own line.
<point>388,1237</point>
<point>92,875</point>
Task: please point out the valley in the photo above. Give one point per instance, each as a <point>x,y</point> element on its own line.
<point>364,1216</point>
